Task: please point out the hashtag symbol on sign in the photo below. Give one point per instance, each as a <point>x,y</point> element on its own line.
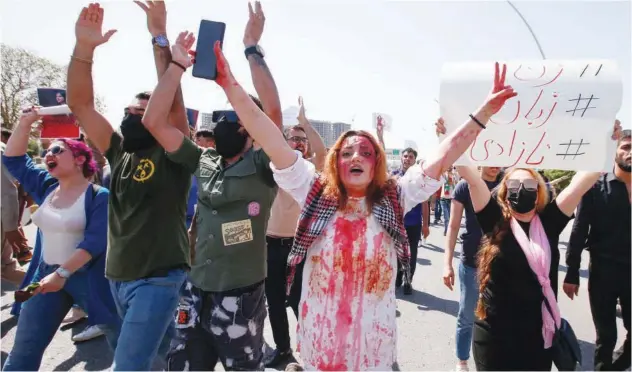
<point>568,148</point>
<point>579,100</point>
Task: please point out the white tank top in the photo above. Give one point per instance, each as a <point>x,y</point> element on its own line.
<point>62,229</point>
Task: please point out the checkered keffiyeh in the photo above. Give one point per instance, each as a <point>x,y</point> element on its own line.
<point>319,209</point>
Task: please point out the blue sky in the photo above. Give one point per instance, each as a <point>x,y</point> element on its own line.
<point>348,59</point>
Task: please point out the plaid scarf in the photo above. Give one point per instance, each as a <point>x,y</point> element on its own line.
<point>319,209</point>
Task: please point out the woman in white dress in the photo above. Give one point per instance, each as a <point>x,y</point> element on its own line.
<point>351,231</point>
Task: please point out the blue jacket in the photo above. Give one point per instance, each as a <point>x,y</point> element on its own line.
<point>39,183</point>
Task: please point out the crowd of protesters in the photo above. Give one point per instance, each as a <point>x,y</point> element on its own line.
<point>178,243</point>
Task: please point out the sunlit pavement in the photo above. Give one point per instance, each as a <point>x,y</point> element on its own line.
<point>426,320</point>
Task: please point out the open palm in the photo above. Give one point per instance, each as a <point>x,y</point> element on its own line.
<point>180,50</point>
<point>89,27</point>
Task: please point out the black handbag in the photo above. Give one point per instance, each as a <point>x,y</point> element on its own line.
<point>565,349</point>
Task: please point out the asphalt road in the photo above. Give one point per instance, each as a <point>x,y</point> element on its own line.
<point>426,321</point>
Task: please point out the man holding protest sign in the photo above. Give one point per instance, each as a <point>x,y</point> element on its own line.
<point>148,252</point>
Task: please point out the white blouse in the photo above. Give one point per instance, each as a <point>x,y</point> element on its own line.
<point>62,228</point>
<point>347,310</point>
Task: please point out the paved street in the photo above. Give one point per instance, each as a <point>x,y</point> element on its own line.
<point>426,321</point>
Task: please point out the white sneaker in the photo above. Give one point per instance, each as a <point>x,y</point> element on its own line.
<point>461,367</point>
<point>88,334</point>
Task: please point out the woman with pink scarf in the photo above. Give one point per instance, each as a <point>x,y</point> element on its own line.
<point>517,266</point>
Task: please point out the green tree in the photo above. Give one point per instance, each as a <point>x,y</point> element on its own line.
<point>556,174</point>
<point>21,73</point>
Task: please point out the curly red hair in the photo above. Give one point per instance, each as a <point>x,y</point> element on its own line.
<point>333,184</point>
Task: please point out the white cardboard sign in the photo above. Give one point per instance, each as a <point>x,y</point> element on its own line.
<point>382,119</point>
<point>562,118</point>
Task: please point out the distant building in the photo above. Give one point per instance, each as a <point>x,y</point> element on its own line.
<point>205,122</point>
<point>329,131</point>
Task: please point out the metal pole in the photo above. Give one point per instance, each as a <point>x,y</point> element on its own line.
<point>529,27</point>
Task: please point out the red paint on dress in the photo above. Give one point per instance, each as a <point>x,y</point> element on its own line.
<point>345,286</point>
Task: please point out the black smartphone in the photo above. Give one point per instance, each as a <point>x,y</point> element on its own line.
<point>205,66</point>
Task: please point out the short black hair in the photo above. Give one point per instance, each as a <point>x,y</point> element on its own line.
<point>205,134</point>
<point>411,150</point>
<point>143,95</point>
<point>286,132</point>
<point>626,134</point>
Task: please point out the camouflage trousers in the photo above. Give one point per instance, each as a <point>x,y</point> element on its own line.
<point>219,326</point>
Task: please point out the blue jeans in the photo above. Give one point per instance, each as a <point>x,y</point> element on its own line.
<point>445,207</point>
<point>147,307</point>
<point>437,210</point>
<point>41,316</point>
<point>468,284</point>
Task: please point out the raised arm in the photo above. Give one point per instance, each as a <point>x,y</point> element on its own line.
<point>315,140</point>
<point>261,76</point>
<point>380,133</point>
<point>457,142</point>
<point>479,192</point>
<point>259,125</point>
<point>33,180</point>
<point>156,118</point>
<point>80,91</point>
<point>156,12</point>
<point>569,198</point>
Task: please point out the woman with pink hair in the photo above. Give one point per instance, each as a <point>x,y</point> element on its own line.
<point>68,264</point>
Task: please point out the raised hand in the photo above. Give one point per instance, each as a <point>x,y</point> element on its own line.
<point>301,111</point>
<point>254,27</point>
<point>29,116</point>
<point>225,76</point>
<point>89,27</point>
<point>440,127</point>
<point>156,16</point>
<point>617,131</point>
<point>180,51</point>
<point>500,92</point>
<point>379,126</point>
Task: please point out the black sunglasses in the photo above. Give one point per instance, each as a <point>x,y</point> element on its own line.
<point>55,150</point>
<point>514,185</point>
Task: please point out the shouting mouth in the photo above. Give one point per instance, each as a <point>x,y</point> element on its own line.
<point>51,165</point>
<point>356,170</point>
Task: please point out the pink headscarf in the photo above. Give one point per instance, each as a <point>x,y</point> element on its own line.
<point>538,252</point>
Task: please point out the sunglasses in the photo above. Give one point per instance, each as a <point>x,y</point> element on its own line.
<point>55,150</point>
<point>298,139</point>
<point>514,185</point>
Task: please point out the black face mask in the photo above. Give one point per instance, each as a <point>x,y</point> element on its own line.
<point>135,136</point>
<point>229,142</point>
<point>523,200</point>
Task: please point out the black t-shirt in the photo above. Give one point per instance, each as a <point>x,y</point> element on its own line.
<point>471,237</point>
<point>513,296</point>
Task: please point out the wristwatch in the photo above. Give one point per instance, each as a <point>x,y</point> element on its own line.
<point>160,41</point>
<point>255,49</point>
<point>63,273</point>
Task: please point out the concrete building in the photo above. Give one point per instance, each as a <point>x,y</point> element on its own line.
<point>329,131</point>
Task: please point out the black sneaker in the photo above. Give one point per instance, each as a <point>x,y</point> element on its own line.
<point>278,357</point>
<point>408,289</point>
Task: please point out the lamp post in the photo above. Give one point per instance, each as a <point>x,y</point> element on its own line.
<point>529,27</point>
